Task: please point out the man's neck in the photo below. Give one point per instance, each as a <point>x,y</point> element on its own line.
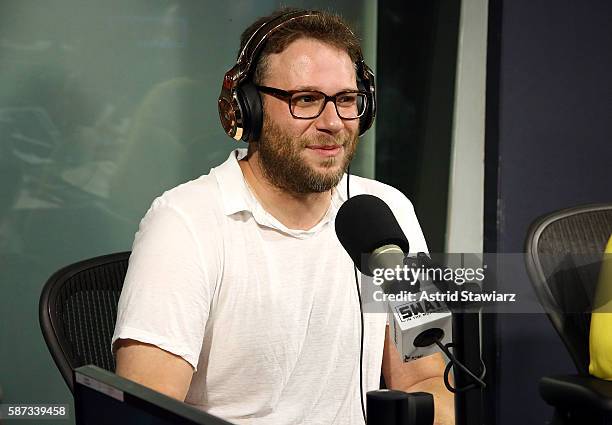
<point>298,211</point>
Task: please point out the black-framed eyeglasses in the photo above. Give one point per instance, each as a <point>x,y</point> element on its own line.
<point>308,104</point>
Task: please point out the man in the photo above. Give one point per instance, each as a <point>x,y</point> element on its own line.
<point>239,299</point>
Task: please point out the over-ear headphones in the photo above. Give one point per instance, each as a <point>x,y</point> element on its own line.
<point>240,107</point>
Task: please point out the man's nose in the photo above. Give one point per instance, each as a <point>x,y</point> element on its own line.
<point>329,121</point>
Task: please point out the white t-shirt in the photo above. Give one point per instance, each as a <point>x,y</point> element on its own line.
<point>267,316</point>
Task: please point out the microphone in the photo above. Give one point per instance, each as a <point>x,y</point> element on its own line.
<point>417,325</point>
<point>366,225</point>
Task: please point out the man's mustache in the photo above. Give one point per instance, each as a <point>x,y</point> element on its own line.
<point>325,142</point>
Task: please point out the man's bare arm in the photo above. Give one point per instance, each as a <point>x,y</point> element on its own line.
<point>153,367</point>
<point>425,374</point>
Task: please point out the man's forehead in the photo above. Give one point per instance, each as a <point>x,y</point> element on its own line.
<point>311,63</point>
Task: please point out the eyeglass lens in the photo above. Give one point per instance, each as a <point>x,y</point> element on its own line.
<point>311,104</point>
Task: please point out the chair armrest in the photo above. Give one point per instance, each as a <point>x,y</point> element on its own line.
<point>577,392</point>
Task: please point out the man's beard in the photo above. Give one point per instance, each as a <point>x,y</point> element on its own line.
<point>284,167</point>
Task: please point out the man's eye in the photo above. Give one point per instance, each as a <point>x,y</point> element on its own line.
<point>346,99</point>
<point>304,99</point>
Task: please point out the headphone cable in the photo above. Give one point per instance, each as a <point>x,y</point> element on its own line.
<point>363,413</point>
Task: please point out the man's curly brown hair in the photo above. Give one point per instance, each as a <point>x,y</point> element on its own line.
<point>326,27</point>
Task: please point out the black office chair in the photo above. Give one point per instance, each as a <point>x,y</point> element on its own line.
<point>77,312</point>
<point>564,250</point>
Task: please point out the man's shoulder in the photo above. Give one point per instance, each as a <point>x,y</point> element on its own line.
<point>392,196</point>
<point>196,196</point>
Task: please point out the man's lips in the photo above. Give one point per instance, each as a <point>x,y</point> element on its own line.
<point>325,150</point>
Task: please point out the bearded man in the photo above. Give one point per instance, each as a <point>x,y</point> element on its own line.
<point>239,298</point>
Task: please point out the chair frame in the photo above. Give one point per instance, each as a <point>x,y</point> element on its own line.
<point>51,328</point>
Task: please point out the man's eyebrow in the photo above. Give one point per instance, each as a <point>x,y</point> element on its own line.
<point>313,88</point>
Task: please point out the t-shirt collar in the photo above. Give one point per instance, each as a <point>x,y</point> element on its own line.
<point>236,197</point>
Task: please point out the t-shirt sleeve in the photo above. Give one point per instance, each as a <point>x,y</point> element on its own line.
<point>166,295</point>
<point>412,229</point>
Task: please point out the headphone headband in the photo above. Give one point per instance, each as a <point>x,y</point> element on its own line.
<point>245,60</point>
<point>239,72</point>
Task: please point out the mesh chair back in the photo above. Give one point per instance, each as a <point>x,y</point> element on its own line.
<point>78,309</point>
<point>564,251</point>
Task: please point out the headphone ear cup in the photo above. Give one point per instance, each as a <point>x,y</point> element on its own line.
<point>252,111</point>
<point>365,121</point>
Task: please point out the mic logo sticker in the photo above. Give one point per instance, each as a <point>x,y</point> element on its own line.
<point>411,311</point>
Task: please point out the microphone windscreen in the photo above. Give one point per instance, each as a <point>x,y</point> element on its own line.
<point>365,223</point>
